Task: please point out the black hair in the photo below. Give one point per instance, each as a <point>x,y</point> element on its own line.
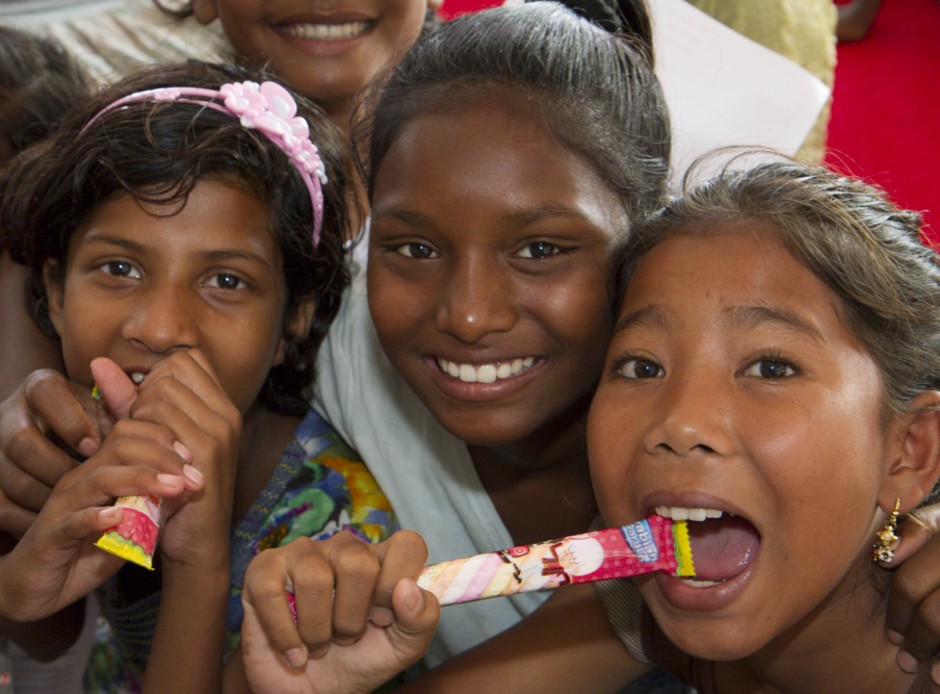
<point>157,152</point>
<point>596,91</point>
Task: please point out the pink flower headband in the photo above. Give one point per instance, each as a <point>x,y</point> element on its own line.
<point>267,108</point>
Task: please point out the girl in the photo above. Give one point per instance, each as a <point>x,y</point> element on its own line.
<point>776,357</point>
<point>187,229</point>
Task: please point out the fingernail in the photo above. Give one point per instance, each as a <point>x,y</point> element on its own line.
<point>894,637</point>
<point>296,657</point>
<point>192,474</point>
<point>183,452</point>
<point>169,480</point>
<point>907,662</point>
<point>381,616</point>
<point>110,515</point>
<point>88,446</point>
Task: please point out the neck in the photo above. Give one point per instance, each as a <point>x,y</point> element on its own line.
<point>839,647</point>
<point>265,434</point>
<point>541,486</point>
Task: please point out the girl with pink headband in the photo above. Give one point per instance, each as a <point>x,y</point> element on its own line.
<point>185,229</point>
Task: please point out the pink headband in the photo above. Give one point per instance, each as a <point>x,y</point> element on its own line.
<point>267,108</point>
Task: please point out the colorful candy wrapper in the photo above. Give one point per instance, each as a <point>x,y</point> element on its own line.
<point>653,544</point>
<point>135,538</point>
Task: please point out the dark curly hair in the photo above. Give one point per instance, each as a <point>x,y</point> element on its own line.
<point>157,152</point>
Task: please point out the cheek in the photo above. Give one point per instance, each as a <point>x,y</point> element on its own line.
<point>611,441</point>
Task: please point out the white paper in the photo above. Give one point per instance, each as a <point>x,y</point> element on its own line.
<point>723,89</point>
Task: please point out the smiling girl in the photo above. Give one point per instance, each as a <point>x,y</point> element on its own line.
<point>188,236</point>
<point>775,358</point>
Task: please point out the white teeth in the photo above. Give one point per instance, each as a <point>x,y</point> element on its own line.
<point>679,513</point>
<point>699,583</point>
<point>138,377</point>
<point>485,373</point>
<point>326,32</point>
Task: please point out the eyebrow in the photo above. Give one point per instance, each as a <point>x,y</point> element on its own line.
<point>741,316</point>
<point>135,246</point>
<point>756,314</point>
<point>521,218</point>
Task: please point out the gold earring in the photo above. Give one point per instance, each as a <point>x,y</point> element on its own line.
<point>883,549</point>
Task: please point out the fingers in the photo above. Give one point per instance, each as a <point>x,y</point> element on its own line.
<point>403,554</point>
<point>264,598</point>
<point>55,405</point>
<point>117,389</point>
<point>339,587</point>
<point>417,613</point>
<point>913,609</point>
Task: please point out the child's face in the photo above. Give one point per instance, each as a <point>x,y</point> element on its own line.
<point>141,286</point>
<point>731,383</point>
<point>488,268</point>
<point>327,51</point>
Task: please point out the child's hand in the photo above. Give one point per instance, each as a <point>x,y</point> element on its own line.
<point>182,394</point>
<point>913,614</point>
<point>30,461</point>
<point>56,562</point>
<point>361,619</point>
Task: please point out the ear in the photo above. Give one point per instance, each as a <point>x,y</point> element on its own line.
<point>54,285</point>
<point>204,11</point>
<point>297,324</point>
<point>914,454</point>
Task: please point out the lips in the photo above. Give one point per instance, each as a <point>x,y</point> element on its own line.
<point>724,545</point>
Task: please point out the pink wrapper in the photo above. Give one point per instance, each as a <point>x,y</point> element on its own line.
<point>135,538</point>
<point>652,544</point>
<point>639,548</point>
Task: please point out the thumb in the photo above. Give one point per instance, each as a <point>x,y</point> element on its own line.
<point>117,389</point>
<point>914,530</point>
<point>417,613</point>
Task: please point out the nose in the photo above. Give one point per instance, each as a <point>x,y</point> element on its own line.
<point>477,299</point>
<point>163,320</point>
<point>692,417</point>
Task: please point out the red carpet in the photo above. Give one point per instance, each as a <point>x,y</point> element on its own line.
<point>886,107</point>
<point>886,103</point>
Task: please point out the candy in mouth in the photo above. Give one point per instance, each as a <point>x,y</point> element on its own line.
<point>723,544</point>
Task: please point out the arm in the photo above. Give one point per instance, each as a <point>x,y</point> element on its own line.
<point>565,645</point>
<point>182,393</point>
<point>350,643</point>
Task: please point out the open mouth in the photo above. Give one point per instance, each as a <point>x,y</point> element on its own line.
<point>723,544</point>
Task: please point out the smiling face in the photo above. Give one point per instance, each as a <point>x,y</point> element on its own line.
<point>488,269</point>
<point>140,286</point>
<point>326,50</point>
<point>733,385</point>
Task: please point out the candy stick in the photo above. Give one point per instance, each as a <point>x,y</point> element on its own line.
<point>653,544</point>
<point>135,537</point>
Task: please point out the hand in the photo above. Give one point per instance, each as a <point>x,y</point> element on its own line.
<point>361,618</point>
<point>913,612</point>
<point>30,462</point>
<point>182,394</point>
<point>56,562</point>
